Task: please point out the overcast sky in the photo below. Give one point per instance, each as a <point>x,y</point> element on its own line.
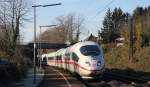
<point>92,11</point>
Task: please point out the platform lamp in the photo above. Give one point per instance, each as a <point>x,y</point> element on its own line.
<point>40,40</point>
<point>35,6</point>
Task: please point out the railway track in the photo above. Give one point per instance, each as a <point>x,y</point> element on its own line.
<point>110,79</point>
<point>116,80</point>
<point>124,78</point>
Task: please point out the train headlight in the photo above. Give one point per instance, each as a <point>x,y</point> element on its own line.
<point>98,63</point>
<point>88,63</point>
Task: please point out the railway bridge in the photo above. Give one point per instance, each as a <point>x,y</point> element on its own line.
<point>48,45</point>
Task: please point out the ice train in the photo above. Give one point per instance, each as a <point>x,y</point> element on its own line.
<point>83,58</point>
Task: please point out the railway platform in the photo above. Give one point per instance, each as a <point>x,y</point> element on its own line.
<point>59,78</point>
<point>27,81</point>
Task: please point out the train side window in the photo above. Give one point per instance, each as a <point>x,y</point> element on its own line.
<point>67,56</point>
<point>50,58</point>
<point>58,57</point>
<point>75,57</point>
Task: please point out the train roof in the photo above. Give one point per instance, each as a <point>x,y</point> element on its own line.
<point>86,43</point>
<point>51,54</point>
<point>83,43</point>
<point>72,47</point>
<point>80,44</point>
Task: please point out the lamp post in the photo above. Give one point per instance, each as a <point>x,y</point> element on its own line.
<point>35,6</point>
<point>40,53</point>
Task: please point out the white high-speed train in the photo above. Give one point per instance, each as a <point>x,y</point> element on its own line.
<point>84,58</point>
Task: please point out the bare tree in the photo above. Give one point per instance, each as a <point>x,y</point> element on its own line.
<point>68,29</point>
<point>12,14</point>
<point>53,35</point>
<point>72,26</point>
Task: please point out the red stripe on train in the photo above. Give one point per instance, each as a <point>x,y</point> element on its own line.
<point>72,62</point>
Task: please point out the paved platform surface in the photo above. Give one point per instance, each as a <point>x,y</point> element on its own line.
<point>59,78</point>
<point>28,80</point>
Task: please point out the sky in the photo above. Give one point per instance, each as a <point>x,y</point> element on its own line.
<point>93,11</point>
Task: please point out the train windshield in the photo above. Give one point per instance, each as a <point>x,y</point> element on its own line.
<point>90,50</point>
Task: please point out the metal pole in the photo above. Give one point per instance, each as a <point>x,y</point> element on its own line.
<point>40,48</point>
<point>34,79</point>
<point>41,41</point>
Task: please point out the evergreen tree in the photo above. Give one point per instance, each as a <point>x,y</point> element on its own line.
<point>107,27</point>
<point>118,17</point>
<point>112,23</point>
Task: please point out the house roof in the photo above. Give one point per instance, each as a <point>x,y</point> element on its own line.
<point>91,38</point>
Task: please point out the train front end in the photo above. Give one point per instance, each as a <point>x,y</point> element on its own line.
<point>91,60</point>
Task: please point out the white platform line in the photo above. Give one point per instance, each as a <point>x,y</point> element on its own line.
<point>69,85</point>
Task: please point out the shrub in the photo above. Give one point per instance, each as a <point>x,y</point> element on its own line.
<point>118,57</point>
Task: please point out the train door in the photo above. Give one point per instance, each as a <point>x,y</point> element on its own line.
<point>55,60</point>
<point>71,63</point>
<point>67,58</point>
<point>75,59</point>
<point>56,64</point>
<point>60,60</point>
<point>63,60</point>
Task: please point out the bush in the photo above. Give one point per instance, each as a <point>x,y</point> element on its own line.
<point>118,57</point>
<point>142,58</point>
<point>12,66</point>
<point>8,70</point>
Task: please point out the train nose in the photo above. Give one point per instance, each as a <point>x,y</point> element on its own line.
<point>96,67</point>
<point>97,72</point>
<point>95,64</point>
